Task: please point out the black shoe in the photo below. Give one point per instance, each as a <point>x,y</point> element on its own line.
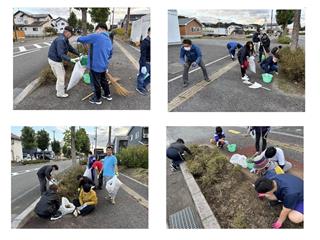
<point>207,79</point>
<point>141,92</point>
<point>108,97</point>
<point>274,203</point>
<point>56,216</point>
<point>185,84</point>
<point>94,101</point>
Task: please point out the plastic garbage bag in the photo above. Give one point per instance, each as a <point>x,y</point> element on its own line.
<point>252,64</point>
<point>113,185</point>
<point>87,173</point>
<point>77,73</point>
<point>238,159</point>
<point>66,207</point>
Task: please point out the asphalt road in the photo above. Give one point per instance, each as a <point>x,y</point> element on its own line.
<point>227,93</point>
<point>25,185</point>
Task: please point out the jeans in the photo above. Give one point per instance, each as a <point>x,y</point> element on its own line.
<point>100,180</point>
<point>232,52</point>
<point>43,184</point>
<point>142,80</point>
<point>59,72</point>
<point>186,68</point>
<point>175,157</point>
<point>98,81</point>
<point>263,135</point>
<point>83,211</point>
<point>269,68</point>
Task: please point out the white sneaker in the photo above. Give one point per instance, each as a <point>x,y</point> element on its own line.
<point>247,82</point>
<point>65,95</point>
<point>75,213</point>
<point>245,78</point>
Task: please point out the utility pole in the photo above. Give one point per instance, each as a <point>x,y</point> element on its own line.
<point>112,21</point>
<point>96,137</point>
<point>127,22</point>
<point>73,145</point>
<point>54,135</point>
<point>109,137</point>
<point>271,20</point>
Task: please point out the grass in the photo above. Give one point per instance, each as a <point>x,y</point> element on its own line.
<point>289,87</point>
<point>139,174</point>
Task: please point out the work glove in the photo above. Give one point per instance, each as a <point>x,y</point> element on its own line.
<point>73,60</point>
<point>277,224</point>
<point>144,70</point>
<point>194,64</point>
<point>261,196</point>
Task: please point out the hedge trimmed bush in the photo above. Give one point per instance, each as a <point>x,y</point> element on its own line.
<point>25,162</point>
<point>134,157</point>
<point>284,40</point>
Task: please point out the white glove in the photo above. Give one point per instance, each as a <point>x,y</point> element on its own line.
<point>194,64</point>
<point>144,70</point>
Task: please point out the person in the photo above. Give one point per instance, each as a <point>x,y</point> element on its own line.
<point>175,152</point>
<point>245,52</point>
<point>190,55</point>
<point>91,160</point>
<point>276,155</point>
<point>143,79</point>
<point>84,180</point>
<point>100,53</point>
<point>284,188</point>
<point>276,50</point>
<point>49,204</point>
<point>260,133</point>
<point>219,138</point>
<point>263,165</point>
<point>232,47</point>
<point>256,40</point>
<point>109,170</point>
<point>264,46</point>
<point>98,167</point>
<point>45,174</point>
<point>270,64</point>
<point>86,202</point>
<point>57,54</point>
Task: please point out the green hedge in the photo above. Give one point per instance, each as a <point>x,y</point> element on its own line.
<point>134,157</point>
<point>284,40</point>
<point>25,162</point>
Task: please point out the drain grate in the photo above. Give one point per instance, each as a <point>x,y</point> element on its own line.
<point>184,219</point>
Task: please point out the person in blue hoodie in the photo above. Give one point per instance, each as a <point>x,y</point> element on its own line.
<point>232,47</point>
<point>190,55</point>
<point>143,79</point>
<point>99,55</point>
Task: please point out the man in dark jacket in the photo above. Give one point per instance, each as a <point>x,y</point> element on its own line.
<point>143,79</point>
<point>175,153</point>
<point>264,46</point>
<point>260,132</point>
<point>49,204</point>
<point>256,40</point>
<point>190,55</point>
<point>57,54</point>
<point>45,174</point>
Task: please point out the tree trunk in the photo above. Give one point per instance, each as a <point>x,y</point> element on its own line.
<point>73,145</point>
<point>128,22</point>
<point>109,137</point>
<point>84,20</point>
<point>295,30</point>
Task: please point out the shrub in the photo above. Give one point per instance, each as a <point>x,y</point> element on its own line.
<point>25,162</point>
<point>119,31</point>
<point>284,40</point>
<point>292,64</point>
<point>134,157</point>
<point>83,161</point>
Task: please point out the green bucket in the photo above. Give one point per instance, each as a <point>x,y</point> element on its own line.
<point>250,165</point>
<point>232,148</point>
<point>86,78</point>
<point>84,60</point>
<point>267,78</point>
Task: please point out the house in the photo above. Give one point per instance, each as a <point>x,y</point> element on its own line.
<point>16,148</point>
<point>210,29</point>
<point>250,28</point>
<point>173,28</point>
<point>59,24</point>
<point>138,136</point>
<point>234,29</point>
<point>33,25</point>
<point>119,142</point>
<point>189,27</point>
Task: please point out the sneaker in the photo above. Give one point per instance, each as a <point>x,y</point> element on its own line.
<point>185,84</point>
<point>76,212</point>
<point>207,79</point>
<point>93,101</point>
<point>245,78</point>
<point>247,82</point>
<point>141,92</point>
<point>57,216</point>
<point>65,95</point>
<point>108,97</point>
<point>113,201</point>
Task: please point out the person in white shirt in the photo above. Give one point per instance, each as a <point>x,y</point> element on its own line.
<point>276,155</point>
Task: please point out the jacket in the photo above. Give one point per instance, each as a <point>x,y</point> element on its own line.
<point>265,41</point>
<point>100,51</point>
<point>194,55</point>
<point>263,129</point>
<point>45,171</point>
<point>243,54</point>
<point>89,198</point>
<point>218,136</point>
<point>233,45</point>
<point>145,51</point>
<point>48,204</point>
<point>59,49</point>
<point>180,147</point>
<point>255,37</point>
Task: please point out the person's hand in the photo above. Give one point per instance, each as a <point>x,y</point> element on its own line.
<point>144,70</point>
<point>242,66</point>
<point>194,64</point>
<point>73,60</point>
<point>277,224</point>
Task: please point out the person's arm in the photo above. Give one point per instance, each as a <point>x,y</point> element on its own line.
<point>93,200</point>
<point>187,150</point>
<point>198,51</point>
<point>182,54</point>
<point>281,159</point>
<point>283,216</point>
<point>216,137</point>
<point>61,51</point>
<point>81,197</point>
<point>72,49</point>
<point>48,172</point>
<point>89,39</point>
<point>115,165</point>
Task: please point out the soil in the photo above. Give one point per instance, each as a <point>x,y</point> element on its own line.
<point>233,199</point>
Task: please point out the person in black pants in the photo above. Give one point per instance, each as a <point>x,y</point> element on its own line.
<point>175,153</point>
<point>86,202</point>
<point>244,53</point>
<point>45,174</point>
<point>260,133</point>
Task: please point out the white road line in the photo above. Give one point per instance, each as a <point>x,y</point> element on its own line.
<point>31,51</point>
<point>134,180</point>
<point>37,45</point>
<point>25,193</point>
<point>141,200</point>
<point>46,43</point>
<point>22,49</point>
<point>287,134</point>
<point>198,68</point>
<point>135,48</point>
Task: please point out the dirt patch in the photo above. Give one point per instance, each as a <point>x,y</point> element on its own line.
<point>139,174</point>
<point>229,191</point>
<point>292,88</point>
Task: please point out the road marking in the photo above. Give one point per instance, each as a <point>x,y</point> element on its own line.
<point>198,68</point>
<point>25,193</point>
<point>24,171</point>
<point>189,93</point>
<point>31,51</point>
<point>234,131</point>
<point>135,195</point>
<point>134,180</point>
<point>135,48</point>
<point>22,49</point>
<point>37,45</point>
<point>287,134</point>
<point>46,43</point>
<point>128,55</point>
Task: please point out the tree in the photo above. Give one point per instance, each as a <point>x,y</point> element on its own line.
<point>66,151</point>
<point>72,20</point>
<point>73,145</point>
<point>99,15</point>
<point>56,148</point>
<point>67,138</point>
<point>42,139</point>
<point>296,29</point>
<point>28,138</point>
<point>50,31</point>
<point>284,18</point>
<point>83,19</point>
<point>82,141</point>
<point>90,27</point>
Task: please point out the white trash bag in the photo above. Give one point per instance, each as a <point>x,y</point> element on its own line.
<point>87,173</point>
<point>113,185</point>
<point>66,206</point>
<point>252,64</point>
<point>77,73</point>
<point>238,159</point>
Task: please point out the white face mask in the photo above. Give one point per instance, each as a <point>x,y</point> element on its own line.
<point>187,48</point>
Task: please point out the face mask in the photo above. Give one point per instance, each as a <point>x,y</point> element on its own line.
<point>187,48</point>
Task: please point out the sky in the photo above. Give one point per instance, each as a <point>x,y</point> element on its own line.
<point>102,132</point>
<point>239,16</point>
<point>119,13</point>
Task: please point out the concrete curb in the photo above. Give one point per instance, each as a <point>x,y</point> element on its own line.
<point>204,211</point>
<point>27,90</point>
<point>23,217</point>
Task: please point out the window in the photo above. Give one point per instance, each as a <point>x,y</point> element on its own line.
<point>131,137</point>
<point>137,135</point>
<point>195,29</point>
<point>35,29</point>
<point>62,24</point>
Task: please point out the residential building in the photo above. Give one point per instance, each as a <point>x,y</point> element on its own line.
<point>119,142</point>
<point>16,148</point>
<point>59,24</point>
<point>138,136</point>
<point>189,27</point>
